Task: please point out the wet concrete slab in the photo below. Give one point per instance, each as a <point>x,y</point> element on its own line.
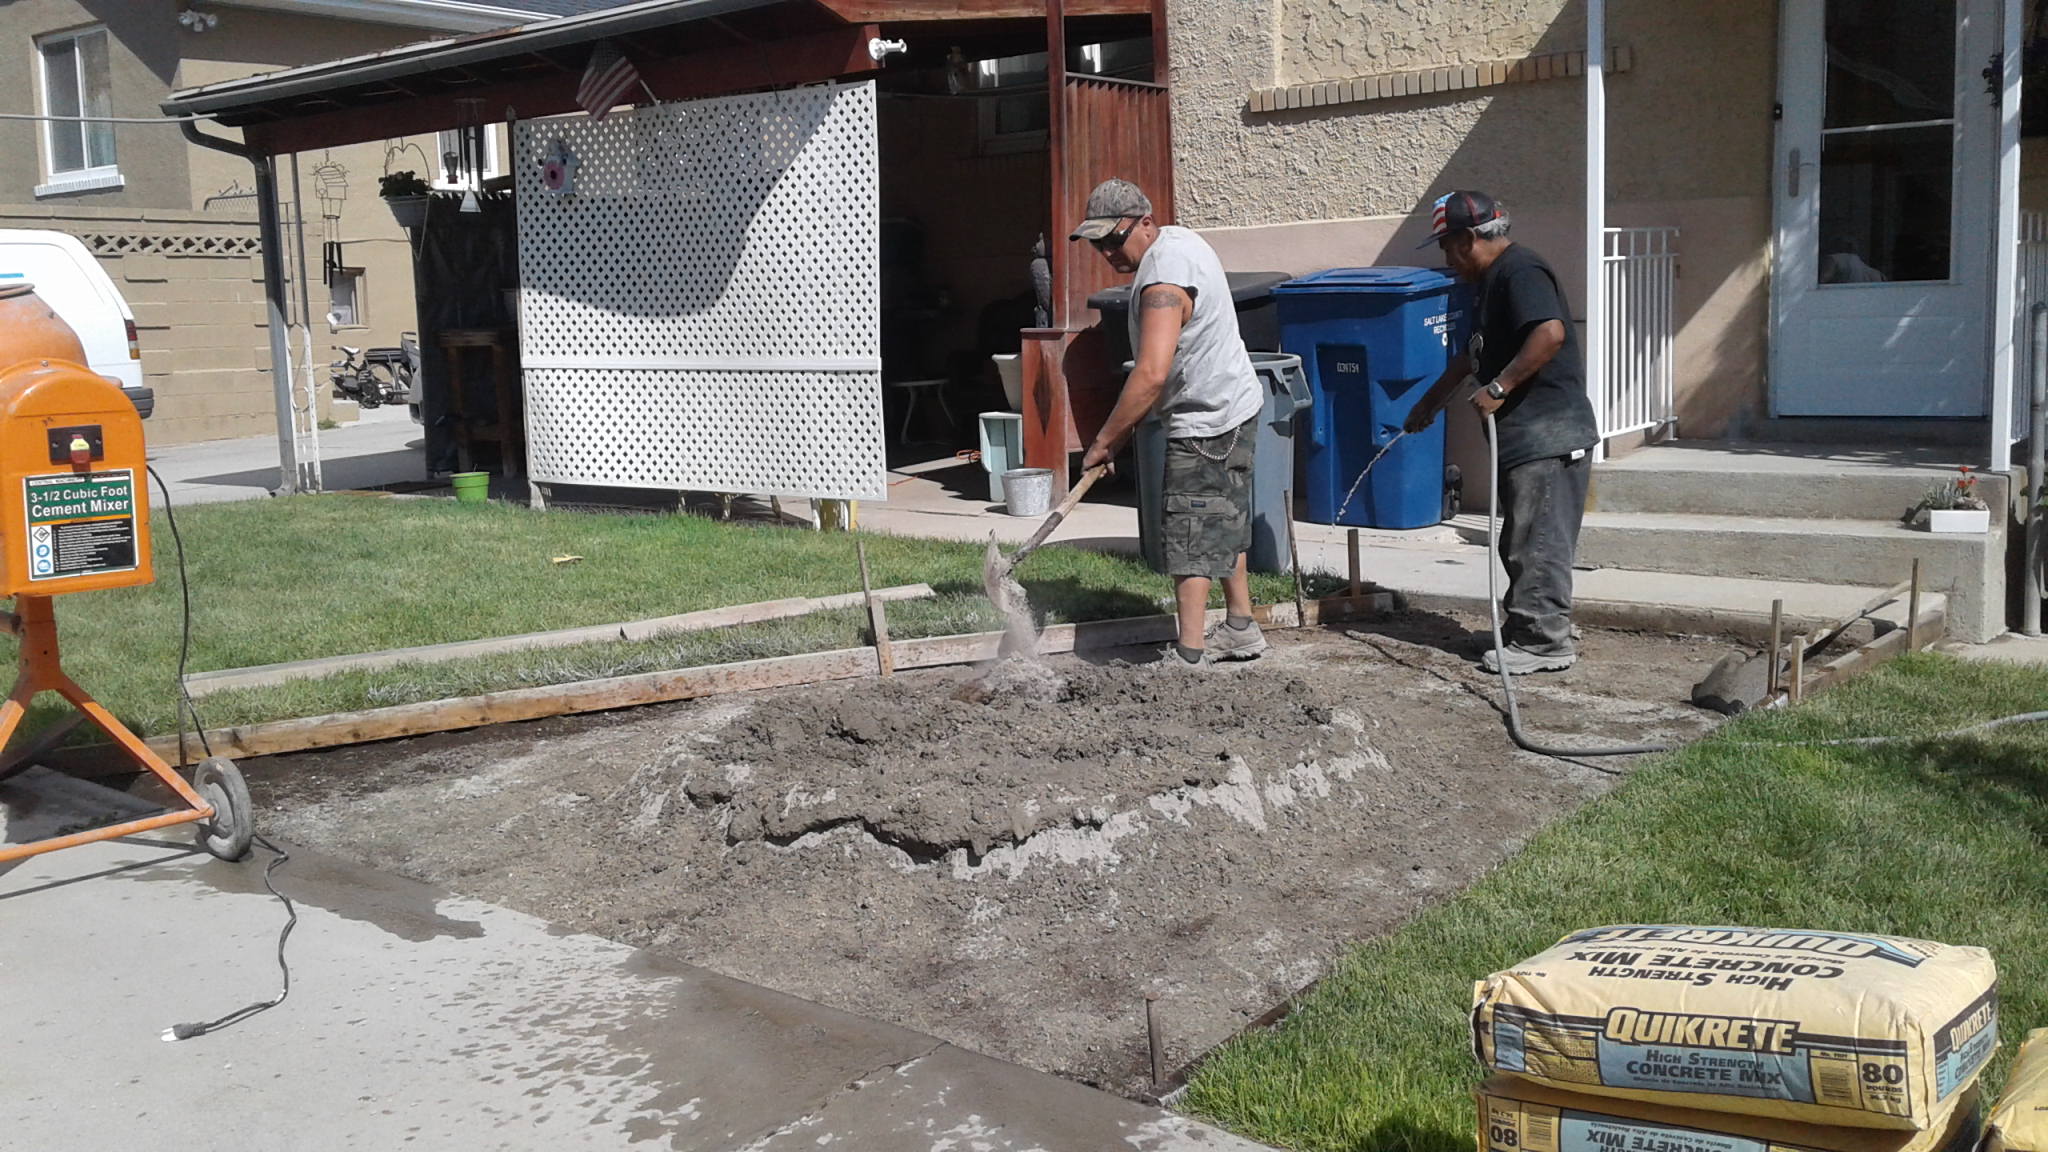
<point>417,1019</point>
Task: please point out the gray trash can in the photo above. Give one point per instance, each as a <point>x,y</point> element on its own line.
<point>1286,390</point>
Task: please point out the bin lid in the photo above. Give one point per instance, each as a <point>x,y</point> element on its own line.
<point>1245,288</point>
<point>1389,279</point>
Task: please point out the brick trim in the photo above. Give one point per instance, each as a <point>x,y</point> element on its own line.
<point>1432,81</point>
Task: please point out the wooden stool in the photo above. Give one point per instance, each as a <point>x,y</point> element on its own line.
<point>509,431</point>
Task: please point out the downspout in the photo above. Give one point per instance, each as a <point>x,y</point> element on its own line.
<point>270,237</point>
<point>1596,218</point>
<point>2037,465</point>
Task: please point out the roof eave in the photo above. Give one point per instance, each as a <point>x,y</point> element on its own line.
<point>411,59</point>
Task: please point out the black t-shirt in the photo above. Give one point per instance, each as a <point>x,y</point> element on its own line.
<point>1549,415</point>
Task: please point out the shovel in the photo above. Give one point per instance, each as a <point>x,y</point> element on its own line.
<point>996,567</point>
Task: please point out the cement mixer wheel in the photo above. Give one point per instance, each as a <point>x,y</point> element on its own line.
<point>233,825</point>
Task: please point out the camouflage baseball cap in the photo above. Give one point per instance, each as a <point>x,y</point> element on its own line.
<point>1112,201</point>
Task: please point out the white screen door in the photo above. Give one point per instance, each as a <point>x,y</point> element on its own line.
<point>700,305</point>
<point>1884,191</point>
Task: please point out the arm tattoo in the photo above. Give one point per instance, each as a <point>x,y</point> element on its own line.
<point>1161,296</point>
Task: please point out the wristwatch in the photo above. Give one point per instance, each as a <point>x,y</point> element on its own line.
<point>1496,391</point>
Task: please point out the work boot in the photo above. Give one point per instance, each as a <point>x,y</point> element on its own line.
<point>1521,661</point>
<point>1228,643</point>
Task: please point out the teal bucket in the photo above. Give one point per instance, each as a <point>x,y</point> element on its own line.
<point>471,487</point>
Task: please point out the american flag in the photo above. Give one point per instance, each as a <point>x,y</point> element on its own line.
<point>605,80</point>
<point>1436,218</point>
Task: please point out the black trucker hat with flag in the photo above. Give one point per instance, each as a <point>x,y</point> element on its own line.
<point>1457,211</point>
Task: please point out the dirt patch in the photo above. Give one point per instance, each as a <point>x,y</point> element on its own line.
<point>1011,858</point>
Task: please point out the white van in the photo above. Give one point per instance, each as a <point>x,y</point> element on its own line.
<point>70,280</point>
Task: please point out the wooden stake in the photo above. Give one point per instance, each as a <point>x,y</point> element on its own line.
<point>1913,611</point>
<point>1351,544</point>
<point>1777,643</point>
<point>1294,554</point>
<point>878,619</point>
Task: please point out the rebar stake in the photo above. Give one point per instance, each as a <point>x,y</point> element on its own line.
<point>1913,611</point>
<point>1777,643</point>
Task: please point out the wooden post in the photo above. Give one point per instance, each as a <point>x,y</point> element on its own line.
<point>1162,198</point>
<point>1351,544</point>
<point>1798,669</point>
<point>1777,643</point>
<point>1913,611</point>
<point>1059,251</point>
<point>878,618</point>
<point>1294,554</point>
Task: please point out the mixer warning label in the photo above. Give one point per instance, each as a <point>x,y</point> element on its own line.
<point>80,524</point>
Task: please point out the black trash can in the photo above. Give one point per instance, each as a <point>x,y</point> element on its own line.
<point>1258,313</point>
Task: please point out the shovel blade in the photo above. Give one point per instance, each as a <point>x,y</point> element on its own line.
<point>993,569</point>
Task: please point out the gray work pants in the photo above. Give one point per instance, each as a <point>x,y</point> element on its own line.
<point>1542,503</point>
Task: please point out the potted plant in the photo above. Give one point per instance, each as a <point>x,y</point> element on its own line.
<point>1954,506</point>
<point>406,194</point>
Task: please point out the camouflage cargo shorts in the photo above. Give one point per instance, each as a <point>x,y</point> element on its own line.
<point>1208,519</point>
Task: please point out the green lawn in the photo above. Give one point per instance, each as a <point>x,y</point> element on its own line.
<point>1944,840</point>
<point>310,576</point>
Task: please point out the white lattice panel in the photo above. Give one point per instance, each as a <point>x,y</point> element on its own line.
<point>703,311</point>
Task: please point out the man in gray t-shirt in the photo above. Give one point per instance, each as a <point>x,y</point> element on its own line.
<point>1193,372</point>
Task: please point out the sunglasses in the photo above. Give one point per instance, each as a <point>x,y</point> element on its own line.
<point>1114,240</point>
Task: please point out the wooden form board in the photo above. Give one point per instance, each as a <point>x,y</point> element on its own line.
<point>200,684</point>
<point>404,720</point>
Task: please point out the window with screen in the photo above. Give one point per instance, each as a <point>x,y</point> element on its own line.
<point>77,82</point>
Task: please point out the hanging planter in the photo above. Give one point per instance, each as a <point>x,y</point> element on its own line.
<point>406,195</point>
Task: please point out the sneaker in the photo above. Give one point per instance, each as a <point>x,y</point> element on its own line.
<point>1227,643</point>
<point>1521,661</point>
<point>1170,662</point>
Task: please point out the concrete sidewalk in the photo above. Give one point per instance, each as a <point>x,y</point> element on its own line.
<point>423,1020</point>
<point>382,447</point>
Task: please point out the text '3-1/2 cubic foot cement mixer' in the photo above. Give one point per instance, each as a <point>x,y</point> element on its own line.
<point>74,517</point>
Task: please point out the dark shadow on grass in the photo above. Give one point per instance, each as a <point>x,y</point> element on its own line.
<point>2008,779</point>
<point>1405,1134</point>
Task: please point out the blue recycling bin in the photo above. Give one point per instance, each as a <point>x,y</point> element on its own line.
<point>1372,340</point>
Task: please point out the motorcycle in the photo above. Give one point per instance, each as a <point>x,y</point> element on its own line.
<point>375,378</point>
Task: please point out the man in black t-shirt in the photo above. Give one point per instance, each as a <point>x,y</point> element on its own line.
<point>1525,364</point>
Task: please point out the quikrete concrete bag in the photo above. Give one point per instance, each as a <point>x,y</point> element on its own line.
<point>1518,1116</point>
<point>2019,1121</point>
<point>1819,1027</point>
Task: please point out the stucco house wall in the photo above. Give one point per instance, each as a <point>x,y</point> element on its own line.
<point>189,269</point>
<point>1689,144</point>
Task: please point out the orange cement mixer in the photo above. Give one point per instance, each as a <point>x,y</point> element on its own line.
<point>74,517</point>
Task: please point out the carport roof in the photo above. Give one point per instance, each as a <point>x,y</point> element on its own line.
<point>683,48</point>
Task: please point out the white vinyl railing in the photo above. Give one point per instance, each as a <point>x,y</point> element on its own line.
<point>2031,289</point>
<point>1642,269</point>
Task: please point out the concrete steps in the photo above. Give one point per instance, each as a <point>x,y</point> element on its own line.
<point>1774,480</point>
<point>1875,553</point>
<point>1818,514</point>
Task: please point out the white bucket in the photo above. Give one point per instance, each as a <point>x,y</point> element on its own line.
<point>1027,491</point>
<point>1010,366</point>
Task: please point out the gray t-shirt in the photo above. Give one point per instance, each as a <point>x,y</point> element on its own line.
<point>1211,388</point>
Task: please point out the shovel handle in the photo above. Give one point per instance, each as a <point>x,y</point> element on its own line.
<point>1088,480</point>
